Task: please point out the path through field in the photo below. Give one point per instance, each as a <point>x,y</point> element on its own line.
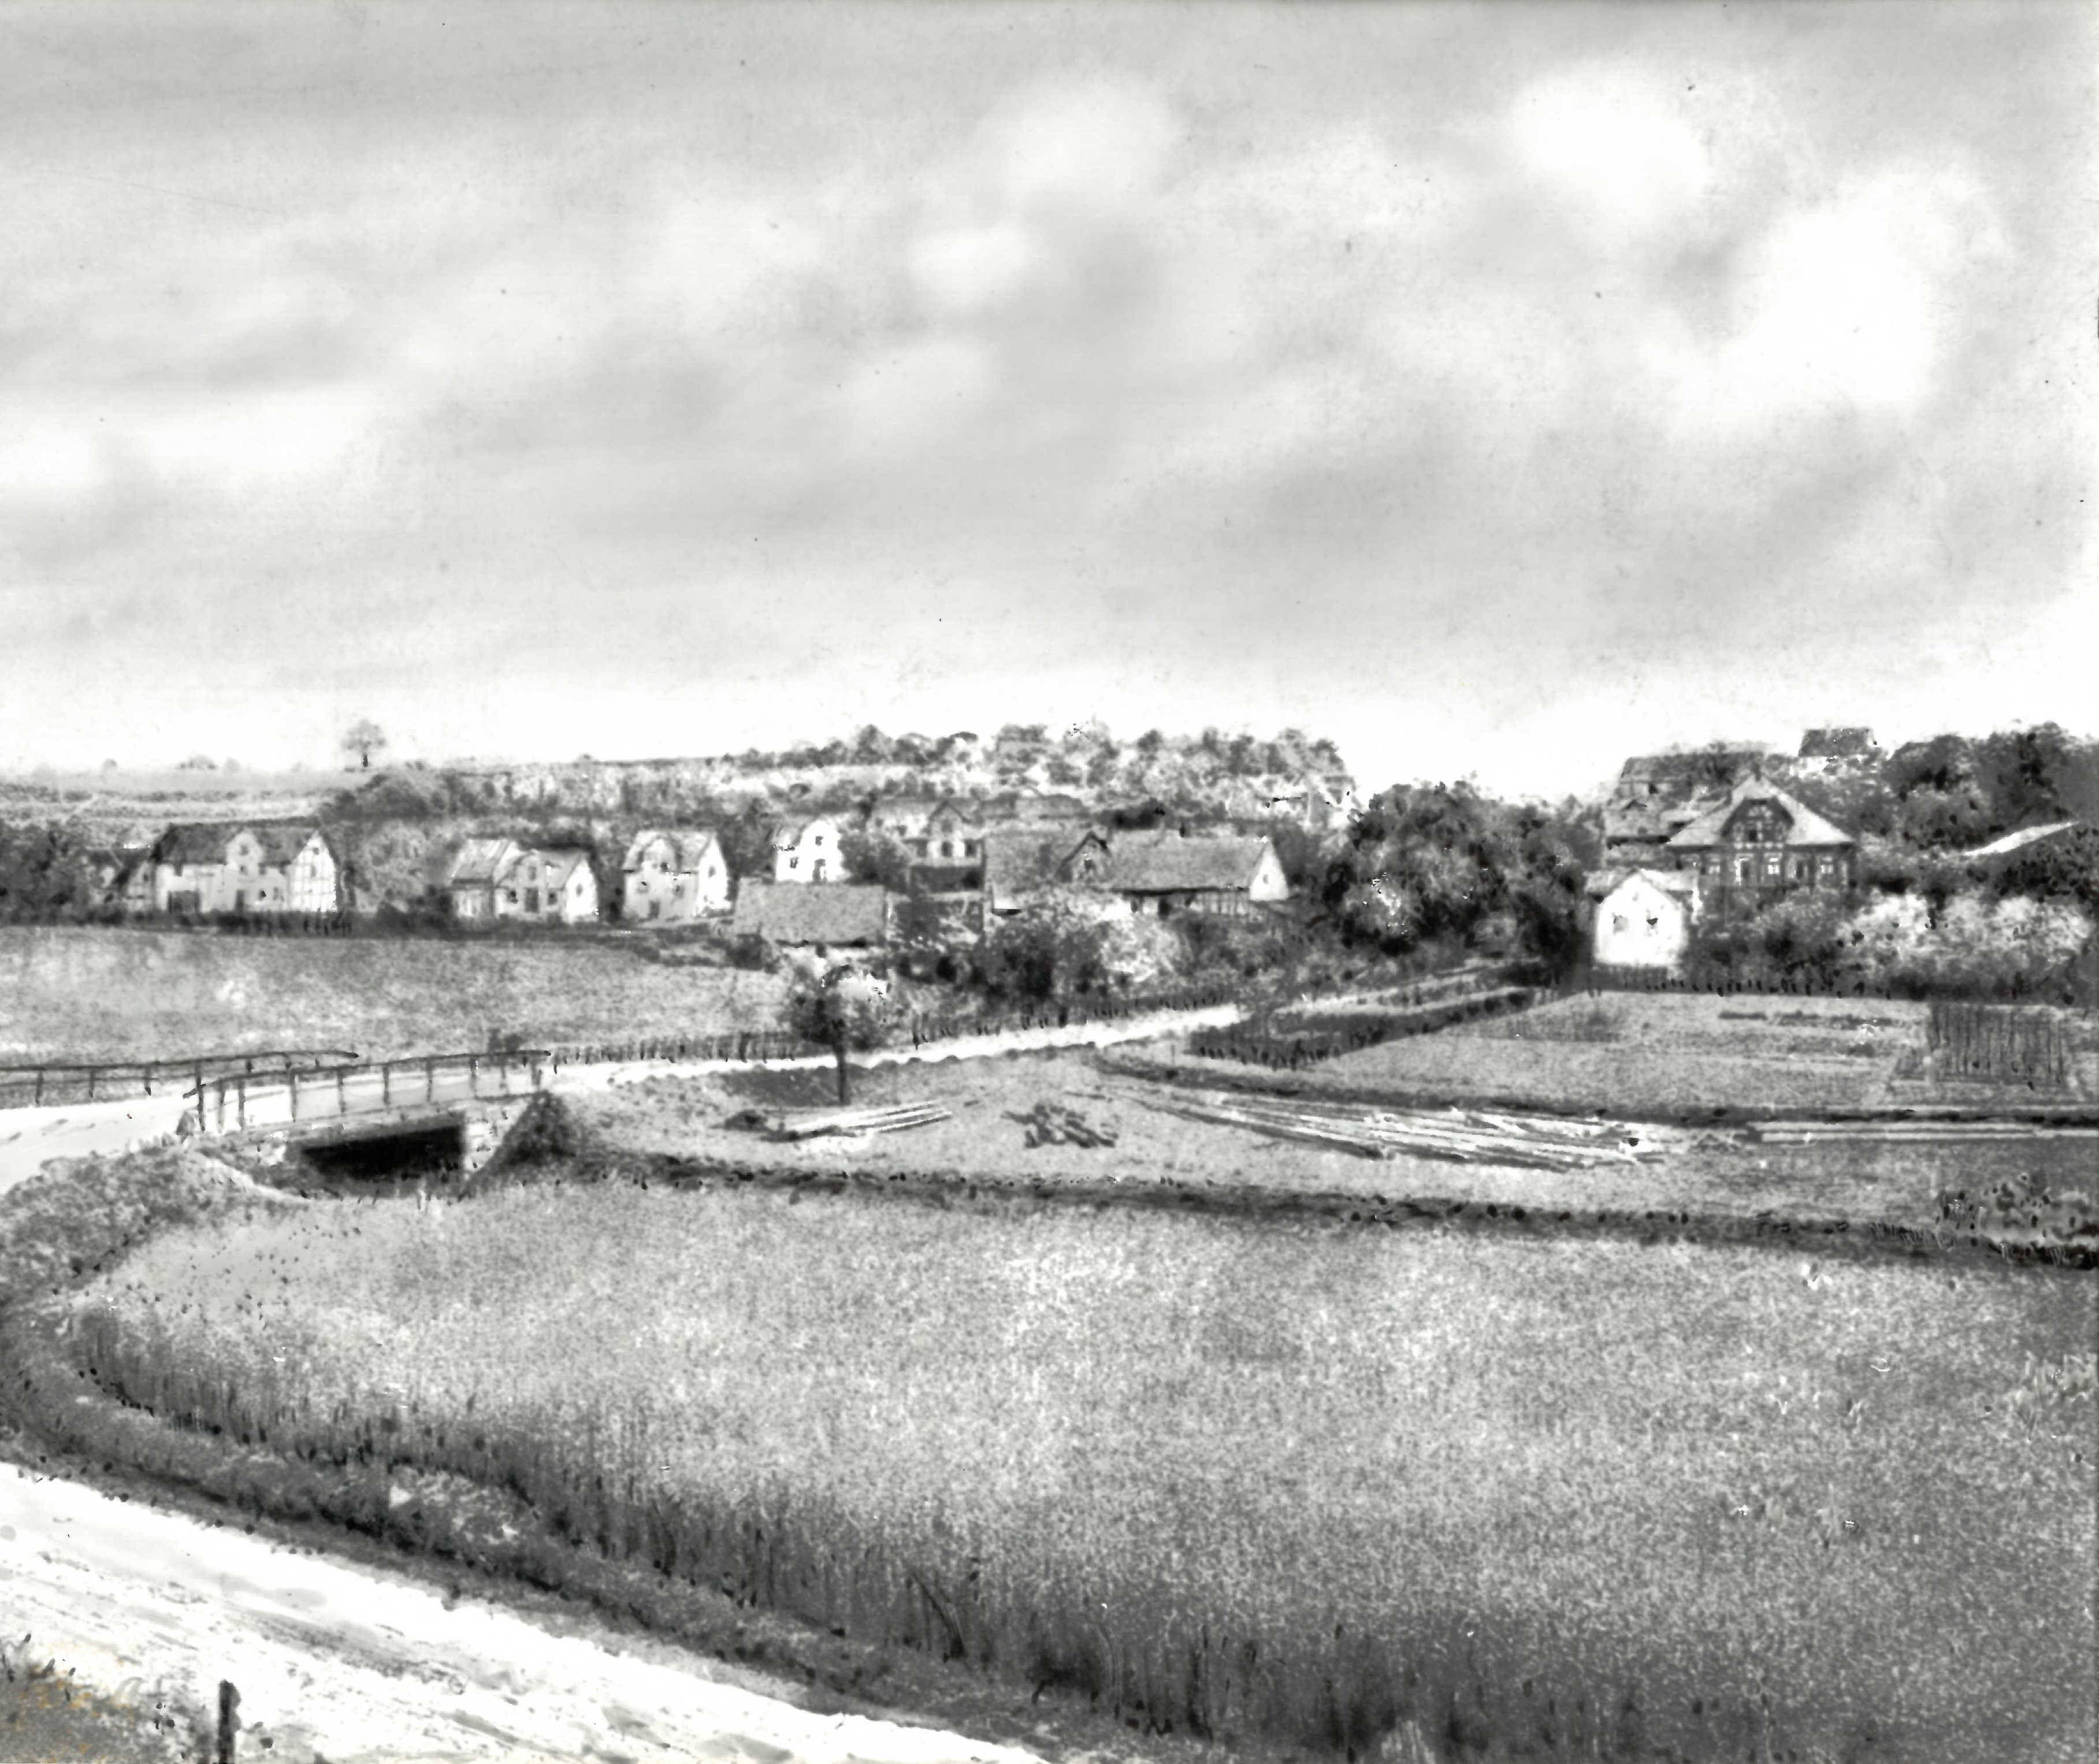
<point>345,1663</point>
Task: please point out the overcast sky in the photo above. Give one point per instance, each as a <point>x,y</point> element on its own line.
<point>1497,389</point>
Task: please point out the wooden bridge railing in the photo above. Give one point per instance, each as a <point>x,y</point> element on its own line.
<point>51,1081</point>
<point>223,1103</point>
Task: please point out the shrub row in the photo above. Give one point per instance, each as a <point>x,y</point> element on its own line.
<point>1291,1048</point>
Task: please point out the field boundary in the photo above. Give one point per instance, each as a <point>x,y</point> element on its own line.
<point>1227,1075</point>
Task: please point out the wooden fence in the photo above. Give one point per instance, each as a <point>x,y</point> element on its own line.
<point>56,1081</point>
<point>237,1101</point>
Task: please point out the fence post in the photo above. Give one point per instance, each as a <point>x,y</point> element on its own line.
<point>385,1084</point>
<point>291,1079</point>
<point>473,1074</point>
<point>430,1079</point>
<point>240,1116</point>
<point>90,1084</point>
<point>40,1086</point>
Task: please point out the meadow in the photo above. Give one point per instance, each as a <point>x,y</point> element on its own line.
<point>1283,1478</point>
<point>87,994</point>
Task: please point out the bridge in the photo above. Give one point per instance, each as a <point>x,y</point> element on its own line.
<point>238,1103</point>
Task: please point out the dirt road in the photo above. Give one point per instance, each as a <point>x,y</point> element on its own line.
<point>344,1663</point>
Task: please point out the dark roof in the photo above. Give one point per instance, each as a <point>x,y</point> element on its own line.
<point>204,842</point>
<point>1166,863</point>
<point>1018,860</point>
<point>1838,744</point>
<point>1805,826</point>
<point>944,876</point>
<point>479,862</point>
<point>831,913</point>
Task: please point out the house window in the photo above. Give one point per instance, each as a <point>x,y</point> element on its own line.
<point>1617,921</point>
<point>968,848</point>
<point>794,862</point>
<point>1748,870</point>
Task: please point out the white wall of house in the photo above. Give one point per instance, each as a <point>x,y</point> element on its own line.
<point>656,889</point>
<point>811,854</point>
<point>1640,925</point>
<point>311,885</point>
<point>1268,883</point>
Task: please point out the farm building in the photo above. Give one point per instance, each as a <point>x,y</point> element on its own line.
<point>1164,872</point>
<point>475,876</point>
<point>237,867</point>
<point>940,830</point>
<point>1758,842</point>
<point>491,879</point>
<point>674,876</point>
<point>851,916</point>
<point>1644,919</point>
<point>808,851</point>
<point>1019,863</point>
<point>1657,795</point>
<point>1824,751</point>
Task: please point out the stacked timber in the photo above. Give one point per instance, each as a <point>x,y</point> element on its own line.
<point>894,1118</point>
<point>1910,1132</point>
<point>1459,1136</point>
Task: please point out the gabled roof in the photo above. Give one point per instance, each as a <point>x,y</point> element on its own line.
<point>282,841</point>
<point>1849,743</point>
<point>196,841</point>
<point>2019,841</point>
<point>478,863</point>
<point>560,861</point>
<point>1806,827</point>
<point>1018,860</point>
<point>788,834</point>
<point>688,848</point>
<point>1166,863</point>
<point>834,914</point>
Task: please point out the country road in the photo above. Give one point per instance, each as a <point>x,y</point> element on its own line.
<point>345,1663</point>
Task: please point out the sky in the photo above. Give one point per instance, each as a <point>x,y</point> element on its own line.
<point>1497,389</point>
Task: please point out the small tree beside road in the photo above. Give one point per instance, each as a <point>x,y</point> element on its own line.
<point>842,1008</point>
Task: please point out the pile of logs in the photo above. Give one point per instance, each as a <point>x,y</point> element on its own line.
<point>810,1123</point>
<point>1460,1136</point>
<point>1052,1124</point>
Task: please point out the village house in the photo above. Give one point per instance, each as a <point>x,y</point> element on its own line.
<point>238,867</point>
<point>941,830</point>
<point>554,886</point>
<point>475,878</point>
<point>674,876</point>
<point>495,878</point>
<point>1645,918</point>
<point>808,851</point>
<point>1164,872</point>
<point>1021,862</point>
<point>849,916</point>
<point>1657,795</point>
<point>1758,842</point>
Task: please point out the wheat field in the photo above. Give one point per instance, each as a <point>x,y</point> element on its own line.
<point>1232,1477</point>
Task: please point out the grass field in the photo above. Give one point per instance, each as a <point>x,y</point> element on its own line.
<point>1585,1498</point>
<point>94,994</point>
<point>1665,1052</point>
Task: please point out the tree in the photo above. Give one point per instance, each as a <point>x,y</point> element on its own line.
<point>872,856</point>
<point>842,1008</point>
<point>364,738</point>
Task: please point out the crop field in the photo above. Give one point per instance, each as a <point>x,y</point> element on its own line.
<point>1237,1478</point>
<point>95,994</point>
<point>1630,1052</point>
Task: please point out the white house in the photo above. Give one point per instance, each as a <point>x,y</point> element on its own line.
<point>555,886</point>
<point>808,851</point>
<point>674,876</point>
<point>1644,921</point>
<point>233,867</point>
